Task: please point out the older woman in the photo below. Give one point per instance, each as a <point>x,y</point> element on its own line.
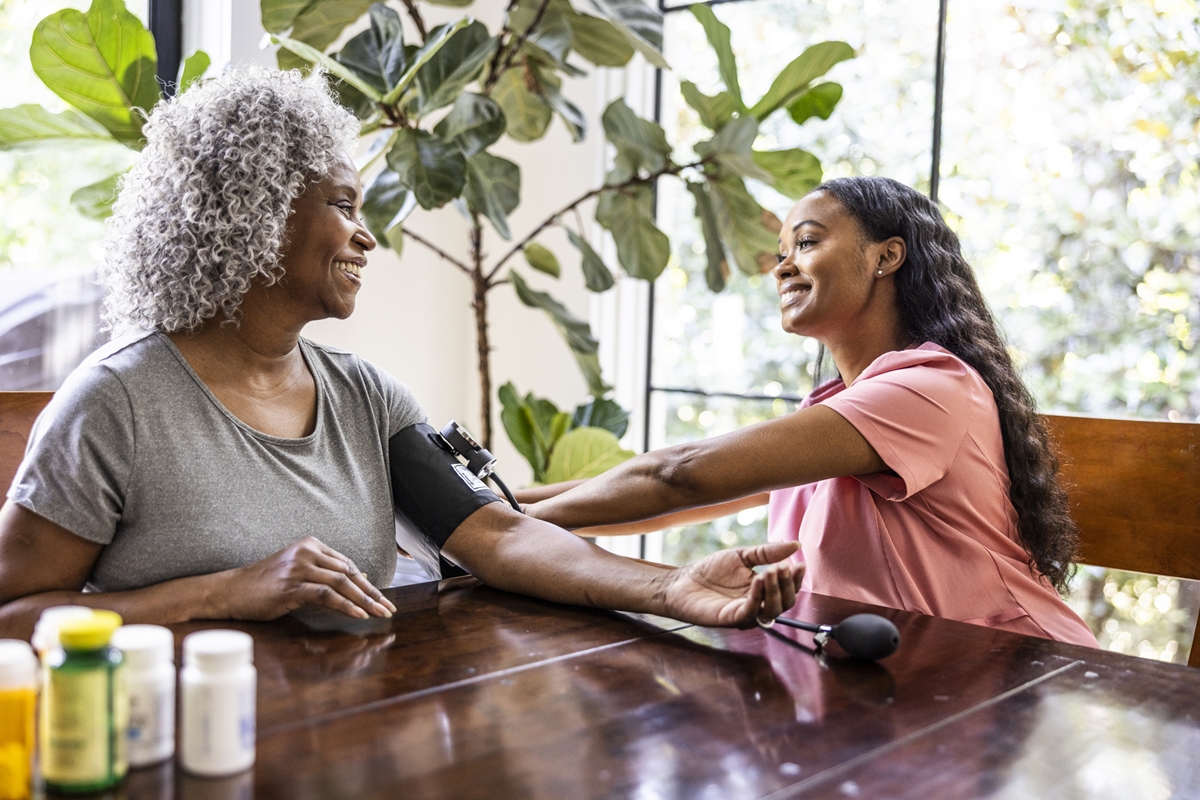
<point>212,463</point>
<point>920,478</point>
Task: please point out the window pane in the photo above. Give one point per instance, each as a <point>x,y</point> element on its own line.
<point>1070,171</point>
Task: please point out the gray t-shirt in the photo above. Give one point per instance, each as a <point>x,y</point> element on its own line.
<point>135,453</point>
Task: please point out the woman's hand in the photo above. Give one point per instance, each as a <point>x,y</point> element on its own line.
<point>306,573</point>
<point>723,588</point>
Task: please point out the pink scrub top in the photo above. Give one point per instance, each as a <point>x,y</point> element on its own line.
<point>941,538</point>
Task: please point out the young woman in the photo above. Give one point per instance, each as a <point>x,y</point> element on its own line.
<point>921,477</point>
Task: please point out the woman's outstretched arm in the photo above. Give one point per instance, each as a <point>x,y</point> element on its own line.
<point>810,445</point>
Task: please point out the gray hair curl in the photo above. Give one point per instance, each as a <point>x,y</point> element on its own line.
<point>203,212</point>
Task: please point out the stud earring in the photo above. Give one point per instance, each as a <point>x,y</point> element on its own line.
<point>879,272</point>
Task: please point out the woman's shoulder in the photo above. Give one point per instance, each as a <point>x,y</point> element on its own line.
<point>354,377</point>
<point>927,363</point>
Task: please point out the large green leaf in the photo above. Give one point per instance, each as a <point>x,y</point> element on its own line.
<point>576,332</point>
<point>278,15</point>
<point>526,112</point>
<point>585,453</point>
<point>30,124</point>
<point>475,122</point>
<point>793,81</point>
<point>439,37</point>
<point>567,111</point>
<point>716,273</point>
<point>493,189</point>
<point>794,173</point>
<point>642,248</point>
<point>312,55</point>
<point>385,205</point>
<point>718,36</point>
<point>522,430</point>
<point>102,62</point>
<point>321,22</point>
<point>731,149</point>
<point>818,101</point>
<point>640,143</point>
<point>552,36</point>
<point>714,111</point>
<point>377,55</point>
<point>542,259</point>
<point>434,170</point>
<point>743,225</point>
<point>641,25</point>
<point>601,412</point>
<point>595,275</point>
<point>453,65</point>
<point>599,41</point>
<point>95,201</point>
<point>192,70</point>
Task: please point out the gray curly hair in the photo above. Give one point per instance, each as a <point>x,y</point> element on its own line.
<point>203,212</point>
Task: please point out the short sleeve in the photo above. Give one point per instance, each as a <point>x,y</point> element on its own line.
<point>915,416</point>
<point>399,403</point>
<point>80,456</point>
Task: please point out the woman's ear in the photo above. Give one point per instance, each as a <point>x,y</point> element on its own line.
<point>889,256</point>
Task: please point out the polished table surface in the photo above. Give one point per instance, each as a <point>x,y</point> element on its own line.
<point>474,693</point>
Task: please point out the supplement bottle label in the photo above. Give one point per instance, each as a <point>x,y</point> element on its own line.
<point>77,734</point>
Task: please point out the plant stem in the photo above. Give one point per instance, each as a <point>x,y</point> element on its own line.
<point>482,346</point>
<point>415,16</point>
<point>445,256</point>
<point>513,48</point>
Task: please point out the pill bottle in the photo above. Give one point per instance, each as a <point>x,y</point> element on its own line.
<point>85,707</point>
<point>149,653</point>
<point>217,691</point>
<point>18,701</point>
<point>45,632</point>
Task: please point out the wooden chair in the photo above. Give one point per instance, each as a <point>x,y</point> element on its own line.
<point>1134,489</point>
<point>18,410</point>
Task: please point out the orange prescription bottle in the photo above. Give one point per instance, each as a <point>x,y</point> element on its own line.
<point>18,699</point>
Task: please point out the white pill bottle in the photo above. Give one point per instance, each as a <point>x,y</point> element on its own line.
<point>149,652</point>
<point>217,686</point>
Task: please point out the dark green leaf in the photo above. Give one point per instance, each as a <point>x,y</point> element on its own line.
<point>577,333</point>
<point>30,124</point>
<point>730,148</point>
<point>519,424</point>
<point>321,22</point>
<point>585,453</point>
<point>103,63</point>
<point>640,143</point>
<point>794,173</point>
<point>818,101</point>
<point>602,413</point>
<point>377,55</point>
<point>567,111</point>
<point>714,111</point>
<point>743,224</point>
<point>527,113</point>
<point>493,189</point>
<point>599,41</point>
<point>793,81</point>
<point>278,15</point>
<point>542,259</point>
<point>474,123</point>
<point>193,69</point>
<point>95,201</point>
<point>434,170</point>
<point>552,36</point>
<point>439,37</point>
<point>718,36</point>
<point>642,248</point>
<point>312,55</point>
<point>641,25</point>
<point>454,65</point>
<point>385,205</point>
<point>595,274</point>
<point>716,273</point>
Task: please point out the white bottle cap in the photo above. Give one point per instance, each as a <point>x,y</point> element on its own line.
<point>145,645</point>
<point>18,664</point>
<point>45,632</point>
<point>218,650</point>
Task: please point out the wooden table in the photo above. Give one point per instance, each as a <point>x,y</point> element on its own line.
<point>474,693</point>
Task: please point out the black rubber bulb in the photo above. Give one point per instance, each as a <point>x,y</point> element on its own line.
<point>866,636</point>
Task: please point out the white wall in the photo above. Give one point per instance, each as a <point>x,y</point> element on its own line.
<point>414,317</point>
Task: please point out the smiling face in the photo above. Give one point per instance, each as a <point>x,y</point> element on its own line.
<point>828,275</point>
<point>326,248</point>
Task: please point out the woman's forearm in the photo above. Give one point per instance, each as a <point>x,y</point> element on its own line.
<point>179,600</point>
<point>677,519</point>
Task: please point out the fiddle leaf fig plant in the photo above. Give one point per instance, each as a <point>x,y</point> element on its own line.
<point>103,63</point>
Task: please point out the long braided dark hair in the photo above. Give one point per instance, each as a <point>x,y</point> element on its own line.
<point>940,302</point>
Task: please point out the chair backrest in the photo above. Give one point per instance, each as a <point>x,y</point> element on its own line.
<point>18,410</point>
<point>1134,489</point>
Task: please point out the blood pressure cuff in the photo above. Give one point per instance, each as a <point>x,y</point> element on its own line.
<point>430,485</point>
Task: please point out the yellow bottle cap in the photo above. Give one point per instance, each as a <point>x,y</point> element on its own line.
<point>89,633</point>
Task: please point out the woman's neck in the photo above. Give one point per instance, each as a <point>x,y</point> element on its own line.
<point>854,353</point>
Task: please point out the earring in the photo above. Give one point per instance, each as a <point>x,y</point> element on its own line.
<point>879,272</point>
